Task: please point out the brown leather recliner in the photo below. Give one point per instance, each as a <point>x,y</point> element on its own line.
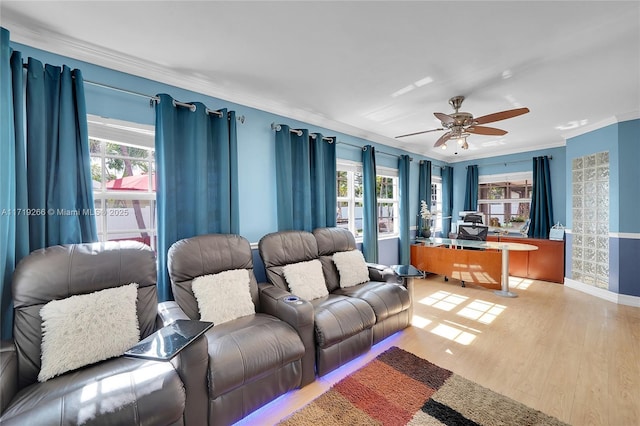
<point>119,390</point>
<point>255,358</point>
<point>390,300</point>
<point>342,324</point>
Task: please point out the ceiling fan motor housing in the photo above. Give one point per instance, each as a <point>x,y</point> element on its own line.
<point>460,119</point>
<point>456,102</point>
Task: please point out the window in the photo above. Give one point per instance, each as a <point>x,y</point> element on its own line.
<point>436,202</point>
<point>387,194</point>
<point>505,199</point>
<point>123,173</point>
<point>349,198</point>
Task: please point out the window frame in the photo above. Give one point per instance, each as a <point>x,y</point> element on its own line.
<point>132,135</point>
<point>351,168</point>
<point>436,203</point>
<point>388,172</point>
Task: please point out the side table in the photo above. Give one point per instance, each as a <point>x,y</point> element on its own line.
<point>408,273</point>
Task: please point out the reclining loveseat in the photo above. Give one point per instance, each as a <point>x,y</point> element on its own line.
<point>354,305</point>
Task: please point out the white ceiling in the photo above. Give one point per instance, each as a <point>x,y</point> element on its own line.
<point>574,64</point>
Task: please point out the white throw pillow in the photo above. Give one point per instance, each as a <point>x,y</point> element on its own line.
<point>84,329</point>
<point>352,268</point>
<point>224,296</point>
<point>306,279</point>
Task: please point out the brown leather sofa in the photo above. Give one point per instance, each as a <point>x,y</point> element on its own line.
<point>347,321</point>
<point>253,359</point>
<point>120,390</point>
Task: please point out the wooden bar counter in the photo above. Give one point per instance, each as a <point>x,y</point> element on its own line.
<point>488,263</point>
<point>545,264</point>
<point>481,267</point>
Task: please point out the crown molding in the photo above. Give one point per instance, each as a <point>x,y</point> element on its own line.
<point>511,151</point>
<point>631,115</point>
<point>54,42</point>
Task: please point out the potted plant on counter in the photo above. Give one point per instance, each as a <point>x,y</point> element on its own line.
<point>425,220</point>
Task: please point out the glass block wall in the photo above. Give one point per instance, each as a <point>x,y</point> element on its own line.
<point>590,197</point>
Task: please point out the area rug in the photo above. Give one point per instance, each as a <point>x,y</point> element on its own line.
<point>400,388</point>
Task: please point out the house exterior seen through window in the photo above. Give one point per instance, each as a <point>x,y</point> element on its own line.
<point>505,200</point>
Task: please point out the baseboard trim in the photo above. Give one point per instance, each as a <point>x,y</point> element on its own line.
<point>621,299</point>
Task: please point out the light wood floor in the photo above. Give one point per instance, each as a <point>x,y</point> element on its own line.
<point>555,349</point>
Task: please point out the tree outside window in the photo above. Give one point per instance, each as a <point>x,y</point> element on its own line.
<point>125,208</point>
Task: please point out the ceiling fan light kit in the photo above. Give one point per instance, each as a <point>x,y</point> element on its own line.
<point>460,125</point>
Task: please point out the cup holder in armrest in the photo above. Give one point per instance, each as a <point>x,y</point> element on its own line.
<point>293,299</point>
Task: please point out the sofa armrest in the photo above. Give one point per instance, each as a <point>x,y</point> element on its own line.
<point>168,312</point>
<point>8,373</point>
<point>192,364</point>
<point>298,314</point>
<point>381,273</point>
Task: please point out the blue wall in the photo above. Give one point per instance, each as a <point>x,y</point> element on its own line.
<point>629,176</point>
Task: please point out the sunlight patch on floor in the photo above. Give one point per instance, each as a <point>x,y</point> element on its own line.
<point>453,334</point>
<point>443,300</point>
<point>420,322</point>
<point>482,311</point>
<point>463,327</point>
<point>478,310</point>
<point>520,283</point>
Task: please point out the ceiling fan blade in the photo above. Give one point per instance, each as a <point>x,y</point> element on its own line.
<point>502,115</point>
<point>483,130</point>
<point>443,139</point>
<point>447,119</point>
<point>419,133</point>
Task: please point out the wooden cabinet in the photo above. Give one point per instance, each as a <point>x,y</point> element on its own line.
<point>546,263</point>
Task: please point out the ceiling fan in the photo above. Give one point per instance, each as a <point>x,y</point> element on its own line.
<point>460,125</point>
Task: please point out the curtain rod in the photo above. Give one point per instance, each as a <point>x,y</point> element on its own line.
<point>151,98</point>
<point>432,165</point>
<point>507,162</point>
<point>381,152</point>
<point>278,127</point>
<point>156,99</point>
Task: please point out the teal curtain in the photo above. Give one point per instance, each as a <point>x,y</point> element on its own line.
<point>58,161</point>
<point>44,163</point>
<point>370,205</point>
<point>447,199</point>
<point>197,183</point>
<point>305,180</point>
<point>8,162</point>
<point>404,166</point>
<point>471,189</point>
<point>541,212</point>
<point>424,187</point>
<point>324,204</point>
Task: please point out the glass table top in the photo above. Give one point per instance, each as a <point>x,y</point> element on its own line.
<point>496,245</point>
<point>406,271</point>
